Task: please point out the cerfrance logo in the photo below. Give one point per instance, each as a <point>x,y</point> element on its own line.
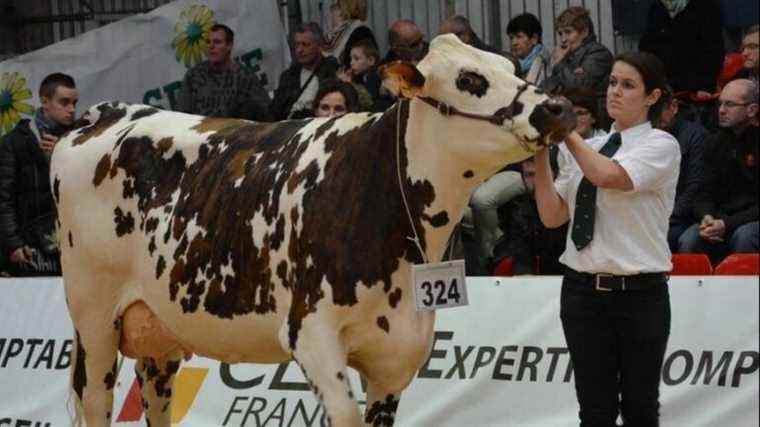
<point>189,42</point>
<point>187,384</point>
<point>13,93</point>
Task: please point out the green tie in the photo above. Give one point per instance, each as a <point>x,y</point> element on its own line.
<point>585,201</point>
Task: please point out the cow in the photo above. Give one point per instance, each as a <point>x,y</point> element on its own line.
<point>268,242</point>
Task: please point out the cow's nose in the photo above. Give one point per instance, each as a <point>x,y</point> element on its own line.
<point>554,117</point>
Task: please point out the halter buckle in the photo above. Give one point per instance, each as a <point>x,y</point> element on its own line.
<point>445,109</point>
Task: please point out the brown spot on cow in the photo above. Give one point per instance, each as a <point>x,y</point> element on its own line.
<point>165,144</point>
<point>144,112</point>
<point>109,115</point>
<point>438,220</point>
<point>104,165</point>
<point>71,240</point>
<point>394,297</point>
<point>79,376</point>
<point>382,322</point>
<point>110,379</point>
<point>160,266</point>
<point>217,124</point>
<point>125,224</point>
<point>468,174</point>
<point>56,189</point>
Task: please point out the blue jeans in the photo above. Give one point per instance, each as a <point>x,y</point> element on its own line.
<point>743,240</point>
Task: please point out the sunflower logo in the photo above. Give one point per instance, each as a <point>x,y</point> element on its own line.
<point>190,34</point>
<point>13,93</point>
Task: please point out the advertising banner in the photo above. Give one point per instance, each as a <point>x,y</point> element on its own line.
<point>143,58</point>
<point>501,361</point>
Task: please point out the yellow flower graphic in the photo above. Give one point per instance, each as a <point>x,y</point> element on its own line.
<point>13,92</point>
<point>190,34</point>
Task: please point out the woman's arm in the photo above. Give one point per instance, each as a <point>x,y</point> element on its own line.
<point>551,208</point>
<point>597,168</point>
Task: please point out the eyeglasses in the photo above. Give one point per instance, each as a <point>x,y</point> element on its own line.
<point>731,104</point>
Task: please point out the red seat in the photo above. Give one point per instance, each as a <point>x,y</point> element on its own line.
<point>691,265</point>
<point>739,265</point>
<point>504,268</point>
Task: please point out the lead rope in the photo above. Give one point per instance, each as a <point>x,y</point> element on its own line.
<point>416,238</point>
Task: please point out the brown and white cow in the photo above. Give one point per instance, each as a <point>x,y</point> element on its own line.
<point>265,242</point>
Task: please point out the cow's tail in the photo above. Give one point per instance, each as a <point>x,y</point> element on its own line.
<point>74,402</point>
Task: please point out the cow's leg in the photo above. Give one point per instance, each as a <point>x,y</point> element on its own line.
<point>322,359</point>
<point>156,379</point>
<point>93,372</point>
<point>382,405</point>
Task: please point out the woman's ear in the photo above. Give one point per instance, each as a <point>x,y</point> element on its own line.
<point>654,96</point>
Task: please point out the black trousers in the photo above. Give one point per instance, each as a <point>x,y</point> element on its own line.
<point>617,343</point>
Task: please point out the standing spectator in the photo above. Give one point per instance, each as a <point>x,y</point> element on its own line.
<point>335,98</point>
<point>300,82</point>
<point>220,86</point>
<point>579,60</point>
<point>27,208</point>
<point>460,27</point>
<point>349,28</point>
<point>525,238</point>
<point>691,138</point>
<point>525,34</point>
<point>687,36</point>
<point>727,204</point>
<point>615,303</point>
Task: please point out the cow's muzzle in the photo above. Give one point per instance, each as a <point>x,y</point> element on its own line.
<point>554,119</point>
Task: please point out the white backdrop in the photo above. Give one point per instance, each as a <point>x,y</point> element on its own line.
<point>143,58</point>
<point>501,362</point>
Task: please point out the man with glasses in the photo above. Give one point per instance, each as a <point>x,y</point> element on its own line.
<point>727,203</point>
<point>406,41</point>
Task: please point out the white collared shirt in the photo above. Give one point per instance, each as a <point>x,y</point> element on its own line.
<point>631,228</point>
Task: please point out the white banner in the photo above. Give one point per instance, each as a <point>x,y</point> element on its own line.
<point>501,361</point>
<point>143,58</point>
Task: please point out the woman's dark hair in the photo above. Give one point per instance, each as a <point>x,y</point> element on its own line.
<point>652,72</point>
<point>525,23</point>
<point>345,89</point>
<point>577,18</point>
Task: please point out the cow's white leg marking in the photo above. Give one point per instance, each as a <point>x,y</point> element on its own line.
<point>94,361</point>
<point>156,378</point>
<point>322,359</point>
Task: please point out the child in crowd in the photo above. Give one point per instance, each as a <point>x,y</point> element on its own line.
<point>363,70</point>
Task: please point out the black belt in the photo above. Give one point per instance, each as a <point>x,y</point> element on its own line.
<point>610,282</point>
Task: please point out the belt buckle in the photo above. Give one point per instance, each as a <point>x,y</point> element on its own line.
<point>599,286</point>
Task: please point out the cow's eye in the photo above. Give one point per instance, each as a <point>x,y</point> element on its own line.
<point>472,82</point>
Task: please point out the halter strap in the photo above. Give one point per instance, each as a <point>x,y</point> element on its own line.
<point>498,118</point>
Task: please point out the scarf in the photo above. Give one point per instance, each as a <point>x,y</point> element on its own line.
<point>675,7</point>
<point>527,62</point>
<point>46,125</point>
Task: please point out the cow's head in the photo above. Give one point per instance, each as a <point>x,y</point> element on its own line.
<point>479,92</point>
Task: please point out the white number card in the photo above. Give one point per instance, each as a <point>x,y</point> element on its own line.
<point>439,285</point>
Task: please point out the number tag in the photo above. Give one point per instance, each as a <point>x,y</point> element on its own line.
<point>439,285</point>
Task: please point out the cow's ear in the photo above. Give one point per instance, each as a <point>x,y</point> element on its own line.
<point>402,79</point>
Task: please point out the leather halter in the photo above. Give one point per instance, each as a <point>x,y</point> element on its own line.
<point>498,118</point>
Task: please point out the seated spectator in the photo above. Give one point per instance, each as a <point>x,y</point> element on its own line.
<point>334,99</point>
<point>28,243</point>
<point>460,27</point>
<point>407,43</point>
<point>750,51</point>
<point>727,202</point>
<point>349,28</point>
<point>363,74</point>
<point>525,237</point>
<point>587,112</point>
<point>688,39</point>
<point>300,82</point>
<point>691,138</point>
<point>220,86</point>
<point>579,60</point>
<point>525,33</point>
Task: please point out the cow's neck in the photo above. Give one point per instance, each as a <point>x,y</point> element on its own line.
<point>453,176</point>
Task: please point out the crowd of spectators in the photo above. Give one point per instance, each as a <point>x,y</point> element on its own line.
<point>711,109</point>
